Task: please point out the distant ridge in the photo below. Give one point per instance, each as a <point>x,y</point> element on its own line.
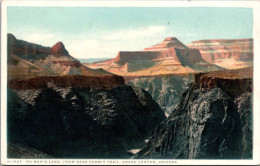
<point>40,65</point>
<point>170,56</point>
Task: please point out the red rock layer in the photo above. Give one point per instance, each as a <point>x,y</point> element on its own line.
<point>33,52</point>
<point>108,81</point>
<point>126,56</point>
<point>170,47</point>
<point>183,56</point>
<point>234,82</point>
<point>59,50</point>
<point>237,49</point>
<point>188,56</point>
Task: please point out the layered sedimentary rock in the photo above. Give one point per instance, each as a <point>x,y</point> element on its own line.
<point>209,123</point>
<point>167,43</point>
<point>33,66</point>
<point>165,49</point>
<point>159,69</point>
<point>239,52</point>
<point>169,57</point>
<point>80,122</point>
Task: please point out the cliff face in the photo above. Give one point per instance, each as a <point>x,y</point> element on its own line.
<point>166,91</point>
<point>233,82</point>
<point>207,124</point>
<point>213,50</point>
<point>162,50</point>
<point>81,122</point>
<point>124,56</point>
<point>98,82</point>
<point>181,56</point>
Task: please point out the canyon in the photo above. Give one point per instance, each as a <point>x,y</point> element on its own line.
<point>165,69</point>
<point>58,107</point>
<point>169,100</point>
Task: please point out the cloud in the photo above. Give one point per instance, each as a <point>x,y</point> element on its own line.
<point>137,33</point>
<point>108,44</point>
<point>100,45</point>
<point>83,48</point>
<point>47,39</point>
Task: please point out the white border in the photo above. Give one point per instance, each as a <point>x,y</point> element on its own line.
<point>256,105</point>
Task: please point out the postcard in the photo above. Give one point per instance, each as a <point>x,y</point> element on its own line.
<point>130,83</point>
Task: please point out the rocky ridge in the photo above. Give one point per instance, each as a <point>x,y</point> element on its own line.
<point>208,123</point>
<point>34,65</point>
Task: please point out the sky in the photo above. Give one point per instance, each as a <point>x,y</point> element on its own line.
<point>101,32</point>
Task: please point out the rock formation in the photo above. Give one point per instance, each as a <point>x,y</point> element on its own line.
<point>208,123</point>
<point>59,50</point>
<point>219,50</point>
<point>169,57</point>
<point>166,91</point>
<point>154,69</point>
<point>33,66</point>
<point>167,43</point>
<point>81,122</point>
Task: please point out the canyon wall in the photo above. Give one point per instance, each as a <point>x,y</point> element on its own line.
<point>77,81</point>
<point>166,91</point>
<point>127,56</point>
<point>213,50</point>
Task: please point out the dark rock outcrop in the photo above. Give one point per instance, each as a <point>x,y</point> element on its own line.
<point>207,124</point>
<point>18,151</point>
<point>82,122</point>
